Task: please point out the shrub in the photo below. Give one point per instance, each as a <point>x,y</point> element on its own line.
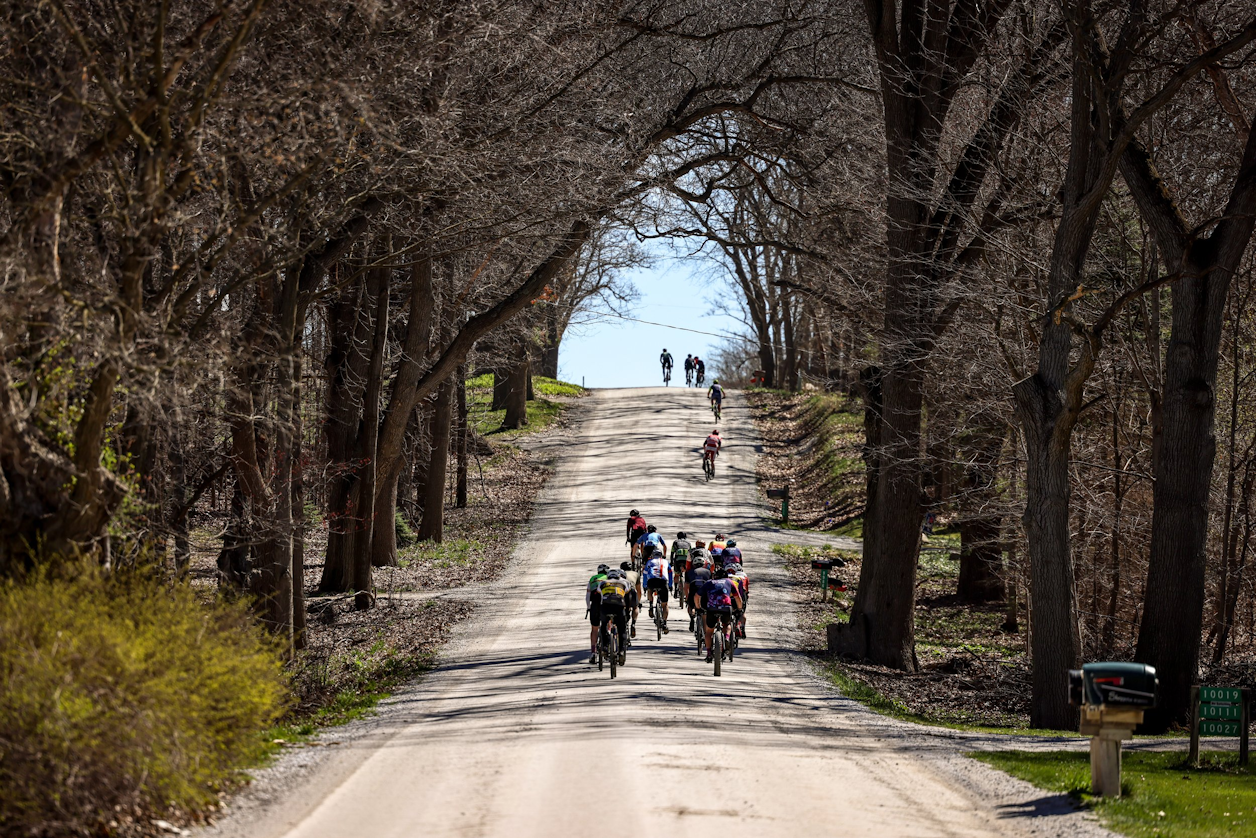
<point>405,534</point>
<point>121,696</point>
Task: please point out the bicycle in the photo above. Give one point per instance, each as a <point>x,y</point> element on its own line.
<point>667,376</point>
<point>699,621</point>
<point>722,643</point>
<point>688,378</point>
<point>715,408</point>
<point>708,467</point>
<point>608,645</point>
<point>660,624</point>
<point>701,377</point>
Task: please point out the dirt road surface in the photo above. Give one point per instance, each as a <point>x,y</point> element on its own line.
<point>517,735</point>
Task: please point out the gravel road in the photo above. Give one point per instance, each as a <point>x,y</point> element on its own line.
<point>517,735</point>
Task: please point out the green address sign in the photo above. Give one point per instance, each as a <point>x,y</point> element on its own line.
<point>1221,695</point>
<point>1220,711</point>
<point>1211,728</point>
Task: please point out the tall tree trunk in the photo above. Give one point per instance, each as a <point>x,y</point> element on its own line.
<point>791,349</point>
<point>460,492</point>
<point>377,300</point>
<point>431,528</point>
<point>517,388</point>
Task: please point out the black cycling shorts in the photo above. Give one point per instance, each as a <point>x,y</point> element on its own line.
<point>612,609</point>
<point>630,601</point>
<point>713,616</point>
<point>659,585</point>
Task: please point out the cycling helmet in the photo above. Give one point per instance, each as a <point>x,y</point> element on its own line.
<point>664,348</point>
<point>651,528</point>
<point>634,512</point>
<point>720,572</point>
<point>657,554</point>
<point>602,568</point>
<point>731,543</point>
<point>719,536</point>
<point>733,567</point>
<point>624,566</point>
<point>615,574</point>
<point>699,545</point>
<point>680,534</point>
<point>715,381</point>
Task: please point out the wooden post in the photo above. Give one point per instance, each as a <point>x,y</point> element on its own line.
<point>1246,718</point>
<point>1193,756</point>
<point>1105,763</point>
<point>785,506</point>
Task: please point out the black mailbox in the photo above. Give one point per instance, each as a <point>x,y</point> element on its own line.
<point>1113,684</point>
<point>778,494</point>
<point>827,564</point>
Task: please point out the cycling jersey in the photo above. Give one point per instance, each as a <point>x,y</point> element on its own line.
<point>589,592</point>
<point>716,393</point>
<point>657,569</point>
<point>613,590</point>
<point>689,365</point>
<point>732,554</point>
<point>649,541</point>
<point>711,446</point>
<point>636,527</point>
<point>680,554</point>
<point>717,595</point>
<point>666,359</point>
<point>743,584</point>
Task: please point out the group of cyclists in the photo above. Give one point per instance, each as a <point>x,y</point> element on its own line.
<point>708,577</point>
<point>695,369</point>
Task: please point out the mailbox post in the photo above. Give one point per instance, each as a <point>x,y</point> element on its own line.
<point>824,566</point>
<point>783,496</point>
<point>1112,697</point>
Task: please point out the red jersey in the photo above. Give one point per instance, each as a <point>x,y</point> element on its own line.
<point>712,444</point>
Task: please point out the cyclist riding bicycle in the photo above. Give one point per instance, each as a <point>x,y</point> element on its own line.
<point>696,576</point>
<point>688,369</point>
<point>658,583</point>
<point>613,591</point>
<point>647,543</point>
<point>731,553</point>
<point>720,596</point>
<point>699,368</point>
<point>738,575</point>
<point>716,548</point>
<point>716,393</point>
<point>632,602</point>
<point>666,359</point>
<point>593,602</point>
<point>680,561</point>
<point>636,529</point>
<point>711,446</point>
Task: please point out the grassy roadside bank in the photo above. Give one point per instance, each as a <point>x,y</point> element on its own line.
<point>1161,794</point>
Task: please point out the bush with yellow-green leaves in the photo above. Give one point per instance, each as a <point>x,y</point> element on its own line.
<point>122,696</point>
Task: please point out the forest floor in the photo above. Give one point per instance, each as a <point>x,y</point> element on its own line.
<point>972,673</point>
<point>356,658</point>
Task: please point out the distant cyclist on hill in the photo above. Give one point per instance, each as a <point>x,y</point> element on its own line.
<point>699,369</point>
<point>716,394</point>
<point>666,360</point>
<point>688,370</point>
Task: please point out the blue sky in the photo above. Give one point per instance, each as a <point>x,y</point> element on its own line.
<point>620,353</point>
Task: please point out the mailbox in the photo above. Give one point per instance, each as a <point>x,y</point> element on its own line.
<point>827,564</point>
<point>1130,685</point>
<point>1112,696</point>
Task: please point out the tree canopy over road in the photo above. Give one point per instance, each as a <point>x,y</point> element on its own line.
<point>250,249</point>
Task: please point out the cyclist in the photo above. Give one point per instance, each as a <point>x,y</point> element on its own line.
<point>711,446</point>
<point>593,602</point>
<point>732,553</point>
<point>612,591</point>
<point>647,543</point>
<point>688,370</point>
<point>699,369</point>
<point>666,360</point>
<point>698,574</point>
<point>636,529</point>
<point>720,596</point>
<point>716,548</point>
<point>632,602</point>
<point>716,394</point>
<point>680,561</point>
<point>738,575</point>
<point>658,583</point>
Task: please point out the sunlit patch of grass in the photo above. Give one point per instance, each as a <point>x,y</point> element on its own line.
<point>451,552</point>
<point>1161,793</point>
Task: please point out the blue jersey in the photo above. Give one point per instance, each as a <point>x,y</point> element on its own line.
<point>717,595</point>
<point>649,541</point>
<point>658,569</point>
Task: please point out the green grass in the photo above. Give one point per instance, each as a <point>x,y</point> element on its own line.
<point>1162,794</point>
<point>452,552</point>
<point>541,411</point>
<point>851,529</point>
<point>370,676</point>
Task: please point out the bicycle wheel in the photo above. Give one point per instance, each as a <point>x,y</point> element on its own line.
<point>614,651</point>
<point>730,644</point>
<point>717,654</point>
